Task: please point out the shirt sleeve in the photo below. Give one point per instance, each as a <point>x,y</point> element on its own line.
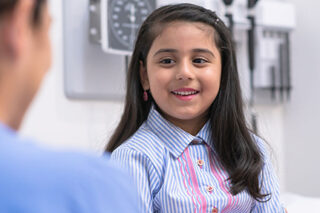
<point>269,185</point>
<point>143,173</point>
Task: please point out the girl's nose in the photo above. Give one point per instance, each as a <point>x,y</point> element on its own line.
<point>185,71</point>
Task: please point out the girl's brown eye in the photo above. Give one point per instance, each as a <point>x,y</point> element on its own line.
<point>167,61</point>
<point>199,61</point>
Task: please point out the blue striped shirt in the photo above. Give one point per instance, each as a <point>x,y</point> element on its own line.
<point>177,172</point>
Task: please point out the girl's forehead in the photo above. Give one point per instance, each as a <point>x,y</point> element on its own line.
<point>174,30</point>
<point>184,38</point>
<point>175,24</point>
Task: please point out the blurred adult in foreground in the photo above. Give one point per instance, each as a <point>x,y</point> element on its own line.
<point>33,179</point>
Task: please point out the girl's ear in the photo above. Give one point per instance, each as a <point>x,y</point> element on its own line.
<point>144,77</point>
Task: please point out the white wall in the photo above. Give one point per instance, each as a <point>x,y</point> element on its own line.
<point>58,122</point>
<point>270,127</point>
<point>302,116</point>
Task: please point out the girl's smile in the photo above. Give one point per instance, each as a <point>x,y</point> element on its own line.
<point>183,73</point>
<point>185,94</point>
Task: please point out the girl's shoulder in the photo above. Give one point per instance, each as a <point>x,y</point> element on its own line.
<point>145,143</point>
<point>143,139</point>
<point>263,146</point>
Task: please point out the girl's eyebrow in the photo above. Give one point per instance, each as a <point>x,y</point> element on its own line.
<point>200,50</point>
<point>197,50</point>
<point>165,51</point>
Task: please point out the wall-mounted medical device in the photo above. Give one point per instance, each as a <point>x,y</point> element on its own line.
<point>118,22</point>
<point>272,79</point>
<point>89,72</point>
<point>261,30</point>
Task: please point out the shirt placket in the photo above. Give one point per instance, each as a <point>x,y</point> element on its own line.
<point>204,167</point>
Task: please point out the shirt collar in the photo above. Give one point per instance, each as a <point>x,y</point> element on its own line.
<point>174,138</point>
<point>206,135</point>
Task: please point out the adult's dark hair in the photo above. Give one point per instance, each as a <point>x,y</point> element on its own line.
<point>6,6</point>
<point>233,140</point>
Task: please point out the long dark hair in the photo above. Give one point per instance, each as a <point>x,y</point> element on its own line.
<point>233,140</point>
<point>6,6</point>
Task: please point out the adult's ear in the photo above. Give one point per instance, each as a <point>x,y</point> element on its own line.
<point>16,28</point>
<point>144,76</point>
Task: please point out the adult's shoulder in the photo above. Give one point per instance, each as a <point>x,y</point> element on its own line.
<point>62,181</point>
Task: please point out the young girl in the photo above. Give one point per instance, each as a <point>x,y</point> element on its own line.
<point>183,134</point>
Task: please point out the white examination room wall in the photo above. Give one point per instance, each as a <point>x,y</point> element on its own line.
<point>61,123</point>
<point>302,114</point>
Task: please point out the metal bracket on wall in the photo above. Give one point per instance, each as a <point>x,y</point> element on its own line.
<point>94,21</point>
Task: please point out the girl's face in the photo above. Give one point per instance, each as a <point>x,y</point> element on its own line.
<point>183,73</point>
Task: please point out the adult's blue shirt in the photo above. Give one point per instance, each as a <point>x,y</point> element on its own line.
<point>33,179</point>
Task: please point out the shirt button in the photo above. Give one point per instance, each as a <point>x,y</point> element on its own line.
<point>200,163</point>
<point>209,188</point>
<point>196,141</point>
<point>214,210</point>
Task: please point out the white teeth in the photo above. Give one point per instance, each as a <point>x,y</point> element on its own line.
<point>184,93</point>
